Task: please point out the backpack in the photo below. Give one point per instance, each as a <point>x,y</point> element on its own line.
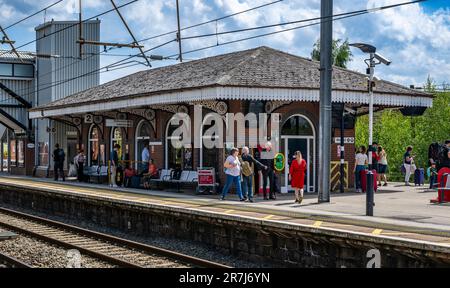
<point>61,155</point>
<point>247,169</point>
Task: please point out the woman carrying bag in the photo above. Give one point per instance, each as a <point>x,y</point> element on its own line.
<point>233,173</point>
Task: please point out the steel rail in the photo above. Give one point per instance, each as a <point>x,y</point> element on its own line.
<point>195,261</point>
<point>13,262</point>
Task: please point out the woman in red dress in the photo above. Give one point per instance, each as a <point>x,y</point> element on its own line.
<point>297,176</point>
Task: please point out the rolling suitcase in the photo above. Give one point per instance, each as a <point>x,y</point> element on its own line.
<point>364,180</point>
<point>419,177</point>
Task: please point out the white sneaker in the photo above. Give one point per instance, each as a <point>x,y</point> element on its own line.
<point>115,186</point>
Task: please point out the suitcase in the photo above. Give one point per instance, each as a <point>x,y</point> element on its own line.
<point>364,180</point>
<point>135,182</point>
<point>419,177</point>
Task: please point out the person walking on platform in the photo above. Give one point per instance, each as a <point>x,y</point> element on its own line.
<point>79,162</point>
<point>114,163</point>
<point>268,173</point>
<point>233,171</point>
<point>247,163</point>
<point>58,162</point>
<point>145,156</point>
<point>408,164</point>
<point>360,164</point>
<point>382,166</point>
<point>297,176</point>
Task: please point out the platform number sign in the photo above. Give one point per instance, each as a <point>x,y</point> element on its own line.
<point>88,119</point>
<point>374,256</point>
<point>73,258</point>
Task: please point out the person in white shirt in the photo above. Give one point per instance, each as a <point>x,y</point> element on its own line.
<point>145,157</point>
<point>361,161</point>
<point>233,172</point>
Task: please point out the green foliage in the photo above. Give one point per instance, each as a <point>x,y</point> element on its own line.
<point>395,132</point>
<point>341,53</point>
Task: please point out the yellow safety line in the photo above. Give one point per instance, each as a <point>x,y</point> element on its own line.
<point>229,211</point>
<point>317,224</point>
<point>377,231</point>
<point>268,217</point>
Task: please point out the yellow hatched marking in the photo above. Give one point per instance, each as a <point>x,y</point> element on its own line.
<point>268,217</point>
<point>377,231</point>
<point>317,224</point>
<point>229,211</point>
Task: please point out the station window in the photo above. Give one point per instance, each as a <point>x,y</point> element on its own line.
<point>17,70</point>
<point>23,70</point>
<point>94,147</point>
<point>43,153</point>
<point>21,153</point>
<point>6,69</point>
<point>12,148</point>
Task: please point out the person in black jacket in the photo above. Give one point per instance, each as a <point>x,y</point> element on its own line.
<point>248,172</point>
<point>58,162</point>
<point>268,173</point>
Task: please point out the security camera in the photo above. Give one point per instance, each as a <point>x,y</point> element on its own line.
<point>382,59</point>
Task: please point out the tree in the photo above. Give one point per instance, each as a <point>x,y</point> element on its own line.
<point>340,53</point>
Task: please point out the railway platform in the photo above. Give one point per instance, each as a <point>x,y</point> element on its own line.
<point>405,222</point>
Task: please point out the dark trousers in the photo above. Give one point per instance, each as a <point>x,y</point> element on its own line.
<point>269,174</point>
<point>80,171</point>
<point>433,179</point>
<point>59,167</point>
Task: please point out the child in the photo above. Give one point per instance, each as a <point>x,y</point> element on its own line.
<point>432,173</point>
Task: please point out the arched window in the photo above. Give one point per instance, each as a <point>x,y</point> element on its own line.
<point>117,138</point>
<point>297,125</point>
<point>177,157</point>
<point>143,133</point>
<point>94,147</point>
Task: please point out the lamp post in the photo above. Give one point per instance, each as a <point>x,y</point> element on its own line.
<point>371,63</point>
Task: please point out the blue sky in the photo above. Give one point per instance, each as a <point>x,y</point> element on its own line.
<point>415,37</point>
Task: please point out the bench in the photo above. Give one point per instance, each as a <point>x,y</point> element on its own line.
<point>164,175</point>
<point>96,172</point>
<point>186,177</point>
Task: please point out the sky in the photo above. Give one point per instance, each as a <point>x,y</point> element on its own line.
<point>416,37</point>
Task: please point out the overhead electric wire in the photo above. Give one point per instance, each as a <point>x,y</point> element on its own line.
<point>164,34</point>
<point>34,14</point>
<point>76,24</point>
<point>98,69</point>
<point>300,21</point>
<point>211,21</point>
<point>348,15</point>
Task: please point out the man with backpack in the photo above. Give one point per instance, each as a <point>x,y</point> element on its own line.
<point>247,162</point>
<point>58,162</point>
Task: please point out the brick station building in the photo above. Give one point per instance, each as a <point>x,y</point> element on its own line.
<point>257,80</point>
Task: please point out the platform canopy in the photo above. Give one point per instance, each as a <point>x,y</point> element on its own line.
<point>262,73</point>
<point>10,122</point>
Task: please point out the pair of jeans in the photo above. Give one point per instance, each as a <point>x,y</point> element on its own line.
<point>247,188</point>
<point>230,180</point>
<point>358,170</point>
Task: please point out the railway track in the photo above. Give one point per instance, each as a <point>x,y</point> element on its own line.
<point>7,261</point>
<point>108,248</point>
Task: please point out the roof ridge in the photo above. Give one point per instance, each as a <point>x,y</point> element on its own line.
<point>225,78</point>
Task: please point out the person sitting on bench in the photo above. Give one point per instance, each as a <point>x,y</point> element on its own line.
<point>151,174</point>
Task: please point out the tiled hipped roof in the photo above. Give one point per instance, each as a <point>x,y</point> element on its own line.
<point>262,67</point>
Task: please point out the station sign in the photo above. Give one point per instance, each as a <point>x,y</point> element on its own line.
<point>347,140</point>
<point>206,176</point>
<point>118,123</point>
